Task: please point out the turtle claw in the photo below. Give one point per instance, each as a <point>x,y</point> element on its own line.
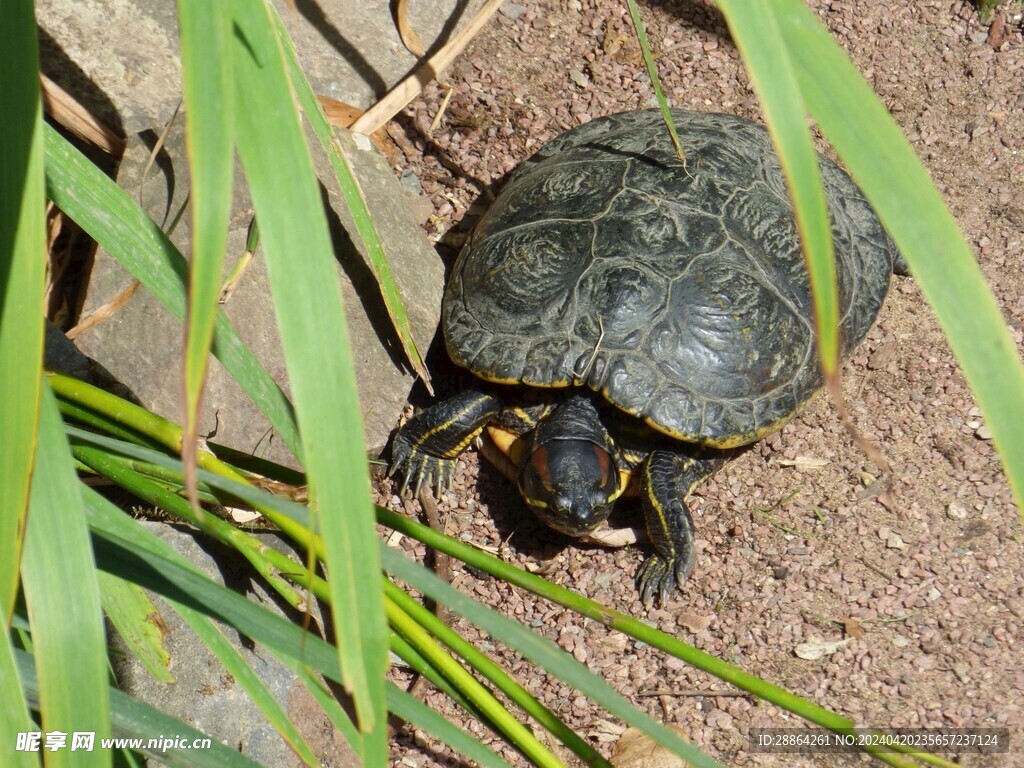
<point>415,467</point>
<point>654,578</point>
<point>659,577</point>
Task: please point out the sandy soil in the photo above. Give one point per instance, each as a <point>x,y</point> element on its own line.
<point>925,583</point>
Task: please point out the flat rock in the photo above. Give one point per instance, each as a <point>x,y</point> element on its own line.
<point>120,58</point>
<point>141,344</point>
<point>204,695</point>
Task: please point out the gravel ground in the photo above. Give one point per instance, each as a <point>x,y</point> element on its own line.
<point>796,543</point>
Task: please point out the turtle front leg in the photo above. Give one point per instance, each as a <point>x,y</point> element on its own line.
<point>425,447</point>
<point>666,480</point>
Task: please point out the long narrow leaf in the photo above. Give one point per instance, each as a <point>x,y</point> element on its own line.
<point>22,266</point>
<point>542,651</point>
<point>117,223</point>
<point>255,688</point>
<point>14,716</point>
<point>206,70</point>
<point>761,44</point>
<point>892,178</point>
<point>136,724</point>
<point>127,549</point>
<point>311,320</point>
<point>356,203</point>
<point>139,624</point>
<point>63,598</point>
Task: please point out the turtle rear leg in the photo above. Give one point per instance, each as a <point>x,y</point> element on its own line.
<point>425,447</point>
<point>666,480</point>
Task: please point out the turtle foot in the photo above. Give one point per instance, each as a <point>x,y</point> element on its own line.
<point>414,467</point>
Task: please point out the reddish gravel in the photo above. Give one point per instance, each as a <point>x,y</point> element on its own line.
<point>796,544</point>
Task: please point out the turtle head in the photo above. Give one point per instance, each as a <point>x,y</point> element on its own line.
<point>568,473</point>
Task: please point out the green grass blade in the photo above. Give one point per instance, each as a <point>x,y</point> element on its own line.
<point>133,719</point>
<point>355,201</point>
<point>514,731</point>
<point>760,42</point>
<point>419,714</point>
<point>541,651</point>
<point>117,223</point>
<point>418,664</point>
<point>246,677</point>
<point>14,715</point>
<point>22,268</point>
<point>307,299</point>
<point>884,165</point>
<point>63,598</point>
<point>652,72</point>
<point>138,623</point>
<point>623,623</point>
<point>206,71</point>
<point>129,550</point>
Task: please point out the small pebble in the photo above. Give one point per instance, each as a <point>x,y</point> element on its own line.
<point>512,10</point>
<point>956,511</point>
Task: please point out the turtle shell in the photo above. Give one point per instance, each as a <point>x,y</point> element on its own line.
<point>681,296</point>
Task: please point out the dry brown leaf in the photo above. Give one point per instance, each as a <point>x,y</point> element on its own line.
<point>56,265</point>
<point>104,312</point>
<point>448,91</point>
<point>804,462</point>
<point>615,537</point>
<point>606,731</point>
<point>155,151</point>
<point>63,108</point>
<point>815,651</point>
<point>342,115</point>
<point>409,37</point>
<point>853,628</point>
<point>243,515</point>
<point>409,88</point>
<point>635,749</point>
<point>339,114</point>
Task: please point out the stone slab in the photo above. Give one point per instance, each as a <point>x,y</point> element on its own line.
<point>120,57</point>
<point>141,344</point>
<point>204,695</point>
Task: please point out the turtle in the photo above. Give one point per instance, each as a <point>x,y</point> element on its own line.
<point>632,322</point>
